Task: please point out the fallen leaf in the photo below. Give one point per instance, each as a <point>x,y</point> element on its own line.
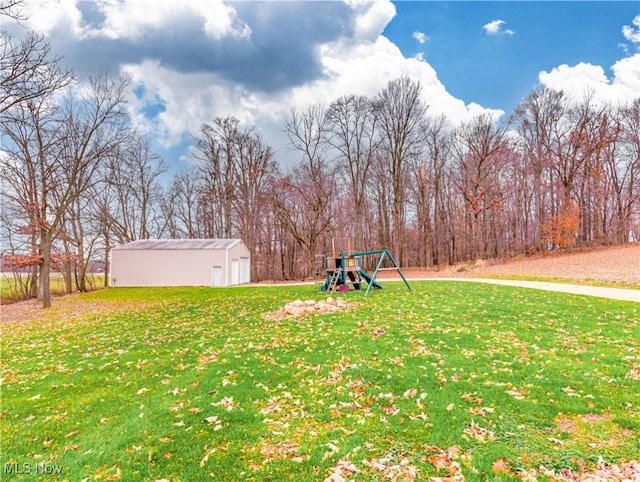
<point>115,476</point>
<point>556,441</point>
<point>500,465</point>
<point>410,393</point>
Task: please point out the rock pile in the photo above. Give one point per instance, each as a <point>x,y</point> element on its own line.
<point>299,308</point>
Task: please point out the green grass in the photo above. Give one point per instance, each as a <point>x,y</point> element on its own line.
<point>194,384</point>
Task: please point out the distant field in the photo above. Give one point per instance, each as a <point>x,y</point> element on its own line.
<point>10,289</point>
<point>467,381</point>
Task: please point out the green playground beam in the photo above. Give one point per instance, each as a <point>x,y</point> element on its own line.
<point>383,253</point>
<point>398,268</point>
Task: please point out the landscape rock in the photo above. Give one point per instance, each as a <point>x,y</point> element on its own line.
<point>300,308</point>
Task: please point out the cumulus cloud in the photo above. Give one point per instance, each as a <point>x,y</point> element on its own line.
<point>46,17</point>
<point>370,17</point>
<point>584,78</point>
<point>192,61</point>
<point>632,34</point>
<point>134,19</point>
<point>420,37</point>
<point>266,46</point>
<point>495,28</point>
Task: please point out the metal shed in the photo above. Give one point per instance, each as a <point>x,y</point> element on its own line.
<point>180,262</point>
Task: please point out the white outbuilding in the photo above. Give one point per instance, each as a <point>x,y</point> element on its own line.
<point>180,262</point>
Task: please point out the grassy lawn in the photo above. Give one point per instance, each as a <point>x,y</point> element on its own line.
<point>468,381</point>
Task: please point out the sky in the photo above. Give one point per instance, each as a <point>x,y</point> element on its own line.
<point>191,61</point>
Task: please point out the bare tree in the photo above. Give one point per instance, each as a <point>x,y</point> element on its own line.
<point>305,199</point>
<point>624,171</point>
<point>479,152</point>
<point>351,131</point>
<point>214,151</point>
<point>29,176</point>
<point>427,181</point>
<point>535,119</point>
<point>55,153</point>
<point>92,130</point>
<point>28,70</point>
<point>400,114</point>
<point>12,9</point>
<point>132,173</point>
<point>182,201</point>
<point>254,171</point>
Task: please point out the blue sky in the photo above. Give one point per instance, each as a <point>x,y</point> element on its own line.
<point>190,61</point>
<point>500,69</point>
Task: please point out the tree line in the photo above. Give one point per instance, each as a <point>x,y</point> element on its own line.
<point>78,178</point>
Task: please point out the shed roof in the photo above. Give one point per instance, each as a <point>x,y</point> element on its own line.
<point>182,244</point>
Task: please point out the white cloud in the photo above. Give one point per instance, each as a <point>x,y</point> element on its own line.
<point>45,16</point>
<point>365,69</point>
<point>347,57</point>
<point>630,33</point>
<point>371,17</point>
<point>495,28</point>
<point>420,37</point>
<point>133,18</point>
<point>349,68</point>
<point>190,99</point>
<point>583,78</point>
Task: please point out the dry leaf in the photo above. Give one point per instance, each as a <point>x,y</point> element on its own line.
<point>500,465</point>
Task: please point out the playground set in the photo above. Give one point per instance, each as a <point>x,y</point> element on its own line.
<point>346,267</point>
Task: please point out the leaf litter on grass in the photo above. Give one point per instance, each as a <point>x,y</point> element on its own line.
<point>317,396</point>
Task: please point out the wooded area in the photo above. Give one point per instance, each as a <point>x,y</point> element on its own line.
<point>79,179</point>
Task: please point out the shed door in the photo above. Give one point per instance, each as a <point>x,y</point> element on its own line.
<point>245,270</point>
<point>216,276</point>
<point>235,271</point>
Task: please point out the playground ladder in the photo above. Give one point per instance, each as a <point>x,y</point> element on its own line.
<point>331,287</point>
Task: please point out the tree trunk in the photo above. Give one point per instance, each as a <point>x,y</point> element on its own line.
<point>44,292</point>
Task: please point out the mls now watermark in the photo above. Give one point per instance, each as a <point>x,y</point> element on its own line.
<point>26,468</point>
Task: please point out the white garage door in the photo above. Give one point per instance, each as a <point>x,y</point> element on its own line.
<point>245,270</point>
<point>235,271</point>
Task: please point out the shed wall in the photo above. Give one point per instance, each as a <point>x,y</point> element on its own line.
<point>177,267</point>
